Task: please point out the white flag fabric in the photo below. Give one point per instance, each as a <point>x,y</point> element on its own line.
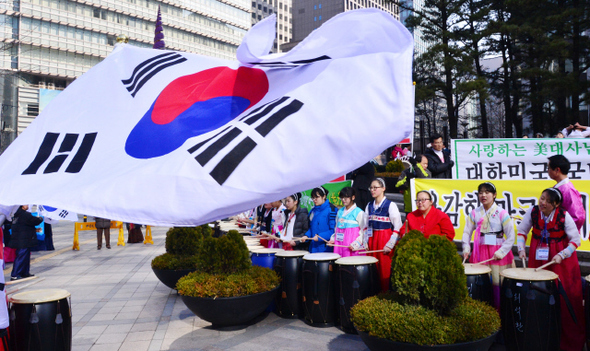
<point>169,138</point>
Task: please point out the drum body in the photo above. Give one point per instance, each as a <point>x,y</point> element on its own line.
<point>41,320</point>
<point>318,279</point>
<point>264,257</point>
<point>357,278</point>
<point>288,267</point>
<point>479,282</point>
<point>530,310</point>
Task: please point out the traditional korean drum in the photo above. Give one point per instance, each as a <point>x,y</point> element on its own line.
<point>289,299</point>
<point>41,320</point>
<point>264,257</point>
<point>357,279</point>
<point>319,281</point>
<point>479,282</point>
<point>530,309</point>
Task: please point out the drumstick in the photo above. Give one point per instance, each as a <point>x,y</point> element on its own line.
<point>337,245</point>
<point>524,262</point>
<point>323,239</point>
<point>545,265</point>
<point>464,259</point>
<point>366,252</point>
<point>491,259</point>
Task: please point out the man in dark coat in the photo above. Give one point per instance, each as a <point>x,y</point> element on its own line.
<point>361,181</point>
<point>439,160</point>
<point>24,236</point>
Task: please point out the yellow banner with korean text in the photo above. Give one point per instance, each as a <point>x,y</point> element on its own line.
<point>457,198</point>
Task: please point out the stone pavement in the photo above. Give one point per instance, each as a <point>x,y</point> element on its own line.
<point>118,303</point>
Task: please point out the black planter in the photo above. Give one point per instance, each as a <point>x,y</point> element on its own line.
<point>169,277</point>
<point>377,344</point>
<point>229,311</point>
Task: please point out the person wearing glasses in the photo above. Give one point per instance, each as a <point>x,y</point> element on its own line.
<point>494,236</point>
<point>439,158</point>
<point>428,219</point>
<point>383,223</point>
<point>322,219</point>
<point>555,238</point>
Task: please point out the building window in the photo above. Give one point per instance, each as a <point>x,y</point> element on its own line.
<point>264,9</point>
<point>320,17</point>
<point>320,6</point>
<point>281,5</point>
<point>270,11</point>
<point>32,109</point>
<point>315,19</point>
<point>253,15</point>
<point>315,7</point>
<point>259,6</point>
<point>280,16</point>
<point>301,11</point>
<point>253,4</point>
<point>259,17</point>
<point>280,36</point>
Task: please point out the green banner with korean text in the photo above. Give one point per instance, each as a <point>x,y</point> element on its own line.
<point>333,191</point>
<point>518,159</point>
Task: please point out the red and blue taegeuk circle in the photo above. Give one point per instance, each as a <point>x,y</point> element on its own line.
<point>193,105</point>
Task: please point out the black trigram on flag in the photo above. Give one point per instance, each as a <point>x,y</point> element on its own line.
<point>65,149</point>
<point>149,68</point>
<point>284,64</point>
<point>262,121</point>
<point>63,214</point>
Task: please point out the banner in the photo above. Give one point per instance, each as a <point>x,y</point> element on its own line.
<point>458,198</point>
<point>333,191</point>
<point>518,159</point>
<point>176,139</point>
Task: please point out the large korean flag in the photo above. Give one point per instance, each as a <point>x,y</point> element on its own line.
<point>170,138</point>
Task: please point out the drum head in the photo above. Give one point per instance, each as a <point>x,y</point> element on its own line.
<point>356,260</point>
<point>321,256</point>
<point>476,269</point>
<point>39,296</point>
<point>528,274</point>
<point>252,243</point>
<point>254,248</point>
<point>294,253</point>
<point>267,251</point>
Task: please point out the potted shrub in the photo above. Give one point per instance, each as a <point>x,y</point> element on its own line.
<point>226,289</point>
<point>180,259</point>
<point>393,170</point>
<point>429,307</point>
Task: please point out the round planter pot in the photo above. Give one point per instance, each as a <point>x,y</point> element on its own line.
<point>229,311</point>
<point>169,277</point>
<point>377,344</point>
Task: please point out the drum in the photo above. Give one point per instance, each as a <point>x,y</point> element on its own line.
<point>479,282</point>
<point>357,279</point>
<point>318,281</point>
<point>41,320</point>
<point>288,267</point>
<point>529,309</point>
<point>264,257</point>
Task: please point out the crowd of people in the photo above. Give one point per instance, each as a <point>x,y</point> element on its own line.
<point>553,225</point>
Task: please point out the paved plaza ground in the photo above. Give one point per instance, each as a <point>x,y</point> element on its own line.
<point>118,303</point>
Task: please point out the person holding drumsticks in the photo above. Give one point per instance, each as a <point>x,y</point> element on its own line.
<point>555,239</point>
<point>295,225</point>
<point>383,223</point>
<point>321,221</point>
<point>349,220</point>
<point>428,219</point>
<point>490,223</point>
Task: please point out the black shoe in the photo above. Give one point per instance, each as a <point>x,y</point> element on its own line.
<point>28,275</point>
<point>98,247</point>
<point>15,278</point>
<point>108,246</point>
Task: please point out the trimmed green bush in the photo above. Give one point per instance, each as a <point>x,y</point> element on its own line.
<point>225,255</point>
<point>383,317</point>
<point>252,280</point>
<point>394,166</point>
<point>183,241</point>
<point>428,272</point>
<point>174,262</point>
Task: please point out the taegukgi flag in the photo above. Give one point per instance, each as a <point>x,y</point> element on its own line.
<point>171,138</point>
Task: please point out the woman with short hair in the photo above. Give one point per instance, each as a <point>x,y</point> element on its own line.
<point>428,219</point>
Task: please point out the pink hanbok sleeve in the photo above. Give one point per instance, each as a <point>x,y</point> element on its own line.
<point>572,203</point>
